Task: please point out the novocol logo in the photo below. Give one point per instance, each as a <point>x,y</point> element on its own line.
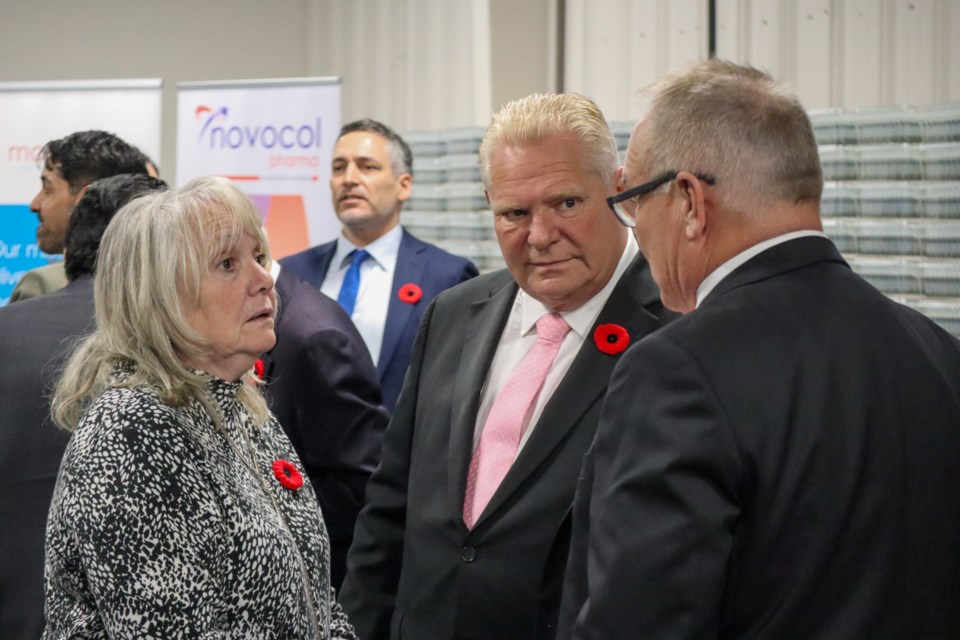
<point>219,134</point>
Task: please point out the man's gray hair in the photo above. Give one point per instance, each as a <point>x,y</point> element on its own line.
<point>735,123</point>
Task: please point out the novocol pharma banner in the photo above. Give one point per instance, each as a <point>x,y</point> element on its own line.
<point>274,138</point>
<point>32,114</point>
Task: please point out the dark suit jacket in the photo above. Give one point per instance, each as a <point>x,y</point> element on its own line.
<point>414,570</point>
<point>790,468</point>
<point>428,266</point>
<point>323,389</point>
<point>36,338</point>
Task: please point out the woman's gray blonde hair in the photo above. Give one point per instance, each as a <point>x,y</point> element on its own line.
<point>151,260</point>
<point>541,115</point>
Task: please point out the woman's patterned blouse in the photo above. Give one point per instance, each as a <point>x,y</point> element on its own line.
<point>159,527</point>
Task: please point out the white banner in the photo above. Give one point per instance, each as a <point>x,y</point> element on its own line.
<point>274,138</point>
<point>34,113</point>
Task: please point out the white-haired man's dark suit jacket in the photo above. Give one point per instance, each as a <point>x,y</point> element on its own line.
<point>789,467</point>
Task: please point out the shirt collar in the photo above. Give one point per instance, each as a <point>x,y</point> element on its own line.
<point>383,250</point>
<point>582,318</point>
<point>728,267</point>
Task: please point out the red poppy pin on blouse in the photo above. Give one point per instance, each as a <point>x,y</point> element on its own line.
<point>258,368</point>
<point>410,293</point>
<point>287,474</point>
<point>611,338</point>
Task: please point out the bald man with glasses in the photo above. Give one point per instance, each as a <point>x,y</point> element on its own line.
<point>783,460</point>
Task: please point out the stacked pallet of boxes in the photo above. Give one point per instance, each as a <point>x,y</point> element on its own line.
<point>448,206</point>
<point>891,200</point>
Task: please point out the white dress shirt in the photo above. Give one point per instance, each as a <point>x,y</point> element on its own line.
<point>721,272</point>
<point>376,283</point>
<point>519,336</point>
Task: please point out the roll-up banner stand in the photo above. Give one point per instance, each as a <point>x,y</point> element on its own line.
<point>274,139</point>
<point>34,113</point>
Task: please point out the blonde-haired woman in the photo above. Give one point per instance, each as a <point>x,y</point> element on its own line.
<point>180,510</point>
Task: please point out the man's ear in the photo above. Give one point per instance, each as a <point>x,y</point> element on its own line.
<point>618,181</point>
<point>695,214</point>
<point>405,181</point>
<point>80,193</point>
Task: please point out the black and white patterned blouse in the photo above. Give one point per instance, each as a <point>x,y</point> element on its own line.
<point>160,528</point>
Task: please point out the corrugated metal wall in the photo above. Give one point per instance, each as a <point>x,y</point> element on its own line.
<point>835,53</point>
<point>415,64</point>
<point>426,63</point>
<point>615,47</point>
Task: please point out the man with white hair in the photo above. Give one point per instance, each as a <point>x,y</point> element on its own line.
<point>466,525</point>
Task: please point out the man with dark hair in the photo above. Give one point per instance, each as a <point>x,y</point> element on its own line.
<point>382,276</point>
<point>70,164</point>
<point>35,336</point>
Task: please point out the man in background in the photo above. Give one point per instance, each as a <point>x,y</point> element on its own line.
<point>323,389</point>
<point>466,527</point>
<point>381,275</point>
<point>36,337</point>
<point>782,461</point>
<point>70,164</point>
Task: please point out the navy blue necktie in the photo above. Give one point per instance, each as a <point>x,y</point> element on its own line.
<point>347,297</point>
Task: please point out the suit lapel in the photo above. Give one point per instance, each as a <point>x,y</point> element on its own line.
<point>482,335</point>
<point>317,269</point>
<point>411,263</point>
<point>586,380</point>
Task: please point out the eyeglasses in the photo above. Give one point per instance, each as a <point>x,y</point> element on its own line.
<point>616,202</point>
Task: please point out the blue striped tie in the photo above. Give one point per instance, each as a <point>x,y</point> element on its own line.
<point>347,297</point>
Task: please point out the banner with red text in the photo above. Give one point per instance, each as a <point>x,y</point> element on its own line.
<point>34,113</point>
<point>274,138</point>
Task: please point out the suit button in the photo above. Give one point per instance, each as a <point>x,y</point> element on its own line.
<point>468,554</point>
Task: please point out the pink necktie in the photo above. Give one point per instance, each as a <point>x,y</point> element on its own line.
<point>501,434</point>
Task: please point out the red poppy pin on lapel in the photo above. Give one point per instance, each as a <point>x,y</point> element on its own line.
<point>287,474</point>
<point>258,368</point>
<point>611,338</point>
<point>410,293</point>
